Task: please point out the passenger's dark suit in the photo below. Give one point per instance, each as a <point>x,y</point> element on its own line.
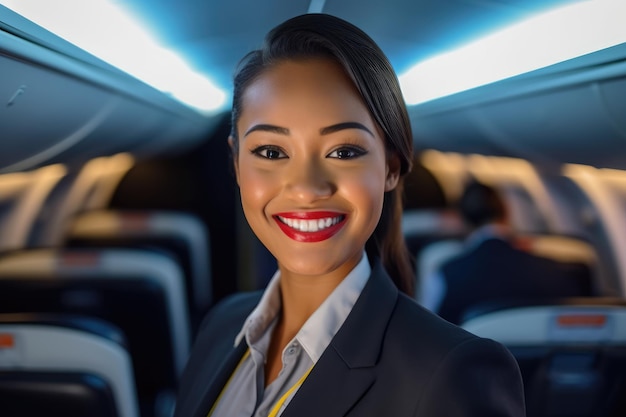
<point>391,358</point>
<point>495,270</point>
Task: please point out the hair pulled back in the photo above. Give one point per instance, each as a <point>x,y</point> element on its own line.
<point>322,35</point>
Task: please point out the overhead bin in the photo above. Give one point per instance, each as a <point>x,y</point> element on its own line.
<point>64,105</point>
<point>571,112</point>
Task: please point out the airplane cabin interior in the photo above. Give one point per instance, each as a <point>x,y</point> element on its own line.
<point>120,224</point>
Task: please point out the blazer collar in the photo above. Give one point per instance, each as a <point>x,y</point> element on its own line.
<point>346,369</point>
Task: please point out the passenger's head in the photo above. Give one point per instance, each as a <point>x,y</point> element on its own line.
<point>327,43</point>
<point>481,204</point>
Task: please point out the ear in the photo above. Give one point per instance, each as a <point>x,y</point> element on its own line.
<point>393,171</point>
<point>234,153</point>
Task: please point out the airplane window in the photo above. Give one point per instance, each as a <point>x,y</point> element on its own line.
<point>603,220</point>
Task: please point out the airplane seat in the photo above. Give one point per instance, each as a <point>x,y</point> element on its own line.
<point>494,306</point>
<point>430,259</point>
<point>571,353</point>
<point>72,366</point>
<point>23,195</point>
<point>567,249</point>
<point>421,227</point>
<point>182,235</point>
<point>141,292</point>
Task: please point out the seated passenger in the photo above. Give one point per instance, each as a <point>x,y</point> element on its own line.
<point>491,267</point>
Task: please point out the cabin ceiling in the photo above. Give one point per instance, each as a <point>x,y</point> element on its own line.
<point>568,113</point>
<point>214,35</point>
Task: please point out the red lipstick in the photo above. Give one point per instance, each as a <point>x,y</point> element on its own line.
<point>310,226</point>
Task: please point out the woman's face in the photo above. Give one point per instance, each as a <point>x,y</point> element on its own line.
<point>311,167</point>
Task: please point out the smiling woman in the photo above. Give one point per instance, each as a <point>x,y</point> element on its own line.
<point>299,193</point>
<point>321,142</point>
<point>317,157</point>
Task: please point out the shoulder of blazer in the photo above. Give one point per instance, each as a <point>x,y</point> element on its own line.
<point>387,337</point>
<point>413,324</point>
<point>391,317</point>
<point>224,321</point>
<point>213,343</point>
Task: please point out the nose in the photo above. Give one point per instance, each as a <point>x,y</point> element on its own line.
<point>308,181</point>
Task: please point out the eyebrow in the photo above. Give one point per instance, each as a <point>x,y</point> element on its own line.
<point>323,131</point>
<point>267,128</point>
<point>342,126</point>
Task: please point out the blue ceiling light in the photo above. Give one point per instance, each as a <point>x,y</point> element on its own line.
<point>555,36</point>
<point>105,29</point>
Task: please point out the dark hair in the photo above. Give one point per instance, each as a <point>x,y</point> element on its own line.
<point>481,204</point>
<point>322,35</point>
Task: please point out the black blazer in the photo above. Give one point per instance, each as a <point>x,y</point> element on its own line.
<point>390,358</point>
<point>496,270</point>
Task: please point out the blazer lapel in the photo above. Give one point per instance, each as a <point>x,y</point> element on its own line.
<point>214,388</point>
<point>331,389</point>
<point>347,367</point>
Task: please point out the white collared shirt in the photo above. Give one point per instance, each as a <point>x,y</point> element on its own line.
<point>246,394</point>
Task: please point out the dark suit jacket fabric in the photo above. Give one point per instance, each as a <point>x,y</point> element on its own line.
<point>390,358</point>
<point>495,270</point>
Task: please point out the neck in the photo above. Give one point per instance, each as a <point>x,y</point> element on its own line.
<point>301,296</point>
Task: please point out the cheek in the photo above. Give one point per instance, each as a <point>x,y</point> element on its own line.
<point>256,187</point>
<point>366,190</point>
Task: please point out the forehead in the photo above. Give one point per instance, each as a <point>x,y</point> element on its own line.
<point>317,85</point>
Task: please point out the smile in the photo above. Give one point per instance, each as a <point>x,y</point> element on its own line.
<point>310,226</point>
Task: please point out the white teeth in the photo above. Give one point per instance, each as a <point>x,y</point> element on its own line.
<point>310,225</point>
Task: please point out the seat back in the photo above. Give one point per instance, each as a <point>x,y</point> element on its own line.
<point>566,249</point>
<point>22,197</point>
<point>430,260</point>
<point>572,355</point>
<point>422,227</point>
<point>140,292</point>
<point>181,234</point>
<point>64,365</point>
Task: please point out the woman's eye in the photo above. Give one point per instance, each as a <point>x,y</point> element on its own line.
<point>347,152</point>
<point>269,152</point>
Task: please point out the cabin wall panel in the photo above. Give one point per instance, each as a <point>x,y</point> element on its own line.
<point>568,125</point>
<point>65,106</point>
<point>613,96</point>
<point>43,111</point>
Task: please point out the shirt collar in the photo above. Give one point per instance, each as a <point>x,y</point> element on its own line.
<point>317,332</point>
<point>263,314</point>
